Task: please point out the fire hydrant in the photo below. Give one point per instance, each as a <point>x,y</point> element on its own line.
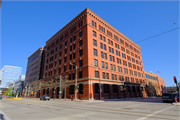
<point>175,99</point>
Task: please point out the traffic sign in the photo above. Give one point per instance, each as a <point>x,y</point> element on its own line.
<point>60,91</point>
<point>53,91</point>
<point>31,92</point>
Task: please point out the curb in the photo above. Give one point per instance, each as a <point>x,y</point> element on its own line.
<point>14,98</point>
<point>177,104</point>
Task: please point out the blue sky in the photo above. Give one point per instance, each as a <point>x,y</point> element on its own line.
<point>26,26</point>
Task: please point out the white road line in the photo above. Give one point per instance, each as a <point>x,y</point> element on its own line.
<point>149,115</point>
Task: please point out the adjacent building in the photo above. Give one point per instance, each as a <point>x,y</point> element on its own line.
<point>35,68</point>
<point>155,84</point>
<point>103,56</point>
<point>9,74</point>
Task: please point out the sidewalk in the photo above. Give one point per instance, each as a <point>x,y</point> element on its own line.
<point>178,103</point>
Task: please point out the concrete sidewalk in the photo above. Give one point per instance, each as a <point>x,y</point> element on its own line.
<point>178,103</point>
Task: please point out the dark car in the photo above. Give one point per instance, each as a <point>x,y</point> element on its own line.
<point>0,97</point>
<point>168,97</point>
<point>45,97</point>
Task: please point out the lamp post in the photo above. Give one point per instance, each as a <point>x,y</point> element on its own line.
<point>60,88</point>
<point>75,82</point>
<point>99,86</point>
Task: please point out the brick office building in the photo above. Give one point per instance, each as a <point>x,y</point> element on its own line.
<point>34,70</point>
<point>100,52</point>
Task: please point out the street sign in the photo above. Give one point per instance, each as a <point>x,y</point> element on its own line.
<point>60,91</point>
<point>101,90</point>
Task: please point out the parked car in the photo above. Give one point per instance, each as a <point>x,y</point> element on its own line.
<point>168,97</point>
<point>45,97</point>
<point>0,97</point>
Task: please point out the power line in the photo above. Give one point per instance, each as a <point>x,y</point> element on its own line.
<point>158,35</point>
<point>165,13</point>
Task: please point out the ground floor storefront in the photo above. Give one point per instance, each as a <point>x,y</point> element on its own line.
<point>90,89</point>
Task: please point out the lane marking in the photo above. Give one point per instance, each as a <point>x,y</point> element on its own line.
<point>150,115</point>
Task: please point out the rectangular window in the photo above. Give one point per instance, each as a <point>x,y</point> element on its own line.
<point>115,89</point>
<point>114,67</point>
<point>66,43</point>
<point>80,74</point>
<point>81,34</point>
<point>74,46</point>
<point>106,88</point>
<point>71,40</point>
<point>101,45</point>
<point>80,88</point>
<point>96,74</point>
<point>80,43</point>
<point>71,89</point>
<point>65,59</point>
<point>102,64</point>
<point>94,42</point>
<point>60,54</point>
<point>104,47</point>
<point>94,33</point>
<point>71,57</point>
<point>96,88</point>
<point>95,52</point>
<point>74,38</point>
<point>112,76</point>
<point>92,23</point>
<point>104,39</point>
<point>80,63</point>
<point>80,52</point>
<point>109,49</point>
<point>107,75</point>
<point>70,66</point>
<point>105,56</point>
<point>113,59</point>
<point>73,76</point>
<point>112,50</point>
<point>70,48</point>
<point>59,70</point>
<point>110,58</point>
<point>74,55</point>
<point>102,55</point>
<point>95,62</point>
<point>103,75</point>
<point>111,67</point>
<point>60,62</point>
<point>69,76</point>
<point>65,51</point>
<point>64,68</point>
<point>100,37</point>
<point>106,65</point>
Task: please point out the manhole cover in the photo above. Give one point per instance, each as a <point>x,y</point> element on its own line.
<point>127,108</point>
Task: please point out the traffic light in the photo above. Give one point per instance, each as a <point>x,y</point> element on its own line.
<point>175,81</point>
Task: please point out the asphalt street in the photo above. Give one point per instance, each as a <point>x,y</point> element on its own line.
<point>125,109</point>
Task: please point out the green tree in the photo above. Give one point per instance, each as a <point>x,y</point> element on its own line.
<point>8,92</point>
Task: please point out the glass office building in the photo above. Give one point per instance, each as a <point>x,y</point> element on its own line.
<point>9,74</point>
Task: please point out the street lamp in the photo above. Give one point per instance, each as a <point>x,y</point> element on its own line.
<point>75,82</point>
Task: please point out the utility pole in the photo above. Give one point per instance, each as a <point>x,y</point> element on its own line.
<point>60,88</point>
<point>99,86</point>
